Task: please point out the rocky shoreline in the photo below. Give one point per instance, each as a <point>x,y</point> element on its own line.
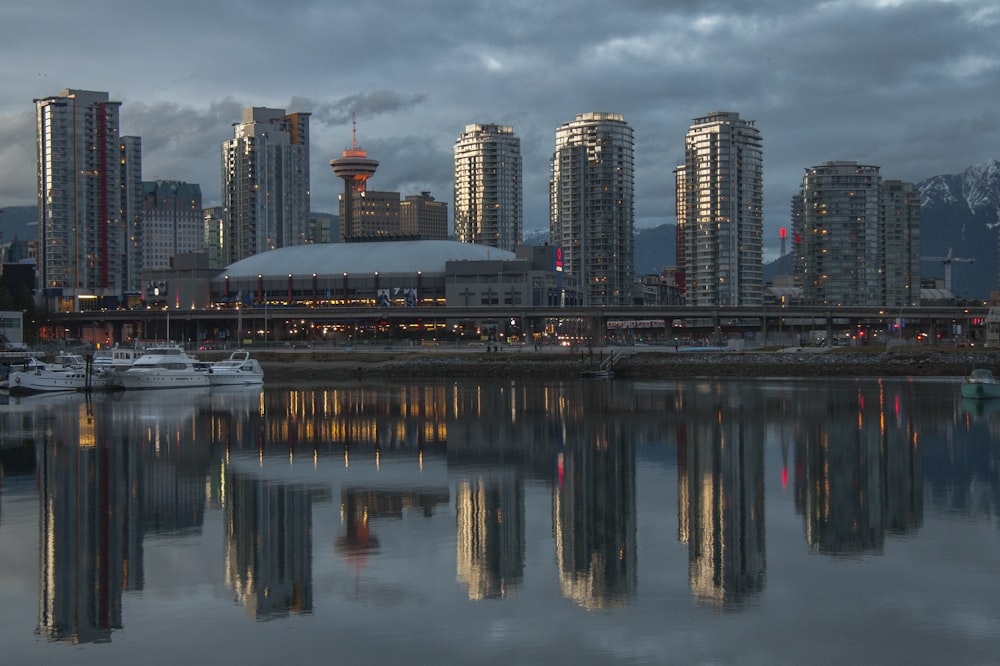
<point>317,366</point>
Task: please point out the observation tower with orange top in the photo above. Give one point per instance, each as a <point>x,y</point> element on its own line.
<point>355,168</point>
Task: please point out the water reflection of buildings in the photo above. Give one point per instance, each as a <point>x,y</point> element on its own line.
<point>361,505</point>
<point>84,494</point>
<point>138,467</point>
<point>593,514</point>
<point>268,545</point>
<point>501,434</point>
<point>116,471</point>
<point>857,476</point>
<point>397,418</point>
<point>490,541</point>
<point>961,466</point>
<point>721,503</point>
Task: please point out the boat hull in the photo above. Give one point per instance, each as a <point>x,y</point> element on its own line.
<point>216,378</point>
<point>22,383</point>
<point>137,379</point>
<point>980,390</point>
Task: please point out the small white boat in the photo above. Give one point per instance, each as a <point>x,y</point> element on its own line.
<point>67,372</point>
<point>163,367</point>
<point>981,384</point>
<point>237,370</point>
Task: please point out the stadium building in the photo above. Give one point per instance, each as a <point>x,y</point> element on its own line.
<point>397,274</point>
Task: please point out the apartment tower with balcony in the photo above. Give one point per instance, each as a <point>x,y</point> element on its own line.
<point>488,187</point>
<point>720,212</point>
<point>82,230</point>
<point>592,205</point>
<point>857,237</point>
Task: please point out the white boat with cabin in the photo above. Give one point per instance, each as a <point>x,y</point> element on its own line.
<point>237,370</point>
<point>66,372</point>
<point>981,384</point>
<point>164,367</point>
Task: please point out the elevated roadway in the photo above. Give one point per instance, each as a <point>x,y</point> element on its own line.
<point>592,319</point>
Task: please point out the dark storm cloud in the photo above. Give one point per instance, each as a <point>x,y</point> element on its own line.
<point>413,164</point>
<point>909,85</point>
<point>17,158</point>
<point>368,104</point>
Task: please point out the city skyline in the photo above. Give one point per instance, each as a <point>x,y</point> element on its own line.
<point>910,86</point>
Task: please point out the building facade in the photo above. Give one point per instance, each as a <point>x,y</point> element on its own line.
<point>130,149</point>
<point>720,220</point>
<point>488,187</point>
<point>422,217</point>
<point>173,221</point>
<point>373,215</point>
<point>83,244</point>
<point>839,253</point>
<point>592,205</point>
<point>265,182</point>
<point>215,231</point>
<point>857,237</point>
<point>321,228</point>
<point>900,211</point>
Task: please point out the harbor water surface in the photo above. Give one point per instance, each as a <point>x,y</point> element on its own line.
<point>820,521</point>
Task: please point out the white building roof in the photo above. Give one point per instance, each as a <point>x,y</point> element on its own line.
<point>386,258</point>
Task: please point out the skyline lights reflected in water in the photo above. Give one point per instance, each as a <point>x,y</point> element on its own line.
<point>607,521</point>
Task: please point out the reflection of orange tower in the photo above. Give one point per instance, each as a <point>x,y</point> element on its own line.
<point>355,169</point>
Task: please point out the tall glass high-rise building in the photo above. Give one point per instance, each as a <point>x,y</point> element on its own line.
<point>131,207</point>
<point>488,204</point>
<point>720,219</point>
<point>857,237</point>
<point>265,182</point>
<point>82,236</point>
<point>592,205</point>
<point>900,204</point>
<point>837,254</point>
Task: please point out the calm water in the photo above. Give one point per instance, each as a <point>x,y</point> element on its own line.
<point>696,522</point>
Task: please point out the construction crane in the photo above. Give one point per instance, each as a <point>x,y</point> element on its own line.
<point>947,261</point>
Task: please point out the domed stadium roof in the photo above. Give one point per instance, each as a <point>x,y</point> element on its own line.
<point>386,258</point>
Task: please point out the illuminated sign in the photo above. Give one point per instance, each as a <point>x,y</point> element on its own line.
<point>155,288</point>
<point>559,259</point>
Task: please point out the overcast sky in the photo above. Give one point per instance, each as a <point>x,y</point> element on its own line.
<point>911,86</point>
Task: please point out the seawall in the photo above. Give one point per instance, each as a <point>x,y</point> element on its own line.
<point>320,365</point>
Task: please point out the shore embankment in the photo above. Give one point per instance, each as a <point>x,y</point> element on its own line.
<point>310,366</point>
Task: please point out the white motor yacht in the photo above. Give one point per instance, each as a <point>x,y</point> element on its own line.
<point>66,372</point>
<point>237,370</point>
<point>163,367</point>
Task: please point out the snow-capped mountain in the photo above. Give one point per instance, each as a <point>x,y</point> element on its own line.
<point>535,237</point>
<point>960,212</point>
<point>977,189</point>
